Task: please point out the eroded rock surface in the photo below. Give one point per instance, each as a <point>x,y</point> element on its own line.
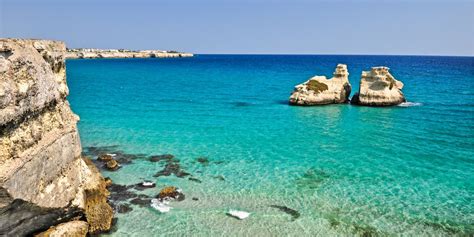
<point>321,91</point>
<point>378,88</point>
<point>41,166</point>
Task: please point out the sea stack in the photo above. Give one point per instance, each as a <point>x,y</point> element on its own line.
<point>321,91</point>
<point>44,181</point>
<point>378,88</point>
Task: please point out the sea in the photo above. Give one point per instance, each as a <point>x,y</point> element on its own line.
<point>333,170</point>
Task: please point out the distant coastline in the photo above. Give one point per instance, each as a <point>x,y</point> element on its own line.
<point>123,53</point>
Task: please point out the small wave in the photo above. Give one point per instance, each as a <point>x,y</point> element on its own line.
<point>160,206</point>
<point>410,104</point>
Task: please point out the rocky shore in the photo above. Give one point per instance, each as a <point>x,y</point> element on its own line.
<point>45,183</point>
<point>123,53</point>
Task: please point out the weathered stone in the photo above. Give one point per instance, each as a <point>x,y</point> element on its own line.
<point>68,229</point>
<point>378,88</point>
<point>40,151</point>
<point>172,193</point>
<point>321,91</point>
<point>112,165</point>
<point>21,218</point>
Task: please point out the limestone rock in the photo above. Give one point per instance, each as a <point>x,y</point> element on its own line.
<point>41,169</point>
<point>69,229</point>
<point>112,165</point>
<point>321,91</point>
<point>379,88</point>
<point>172,193</point>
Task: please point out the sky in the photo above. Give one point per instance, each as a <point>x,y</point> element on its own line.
<point>395,27</point>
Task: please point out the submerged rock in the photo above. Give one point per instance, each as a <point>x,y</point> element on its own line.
<point>194,180</point>
<point>123,208</point>
<point>171,193</point>
<point>172,168</point>
<point>378,88</point>
<point>203,160</point>
<point>293,213</point>
<point>321,91</point>
<point>142,201</point>
<point>165,157</point>
<point>219,177</point>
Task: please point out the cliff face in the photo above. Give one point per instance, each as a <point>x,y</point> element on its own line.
<point>378,88</point>
<point>42,173</point>
<point>320,91</point>
<point>115,53</point>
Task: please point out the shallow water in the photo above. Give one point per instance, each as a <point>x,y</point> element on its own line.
<point>346,169</point>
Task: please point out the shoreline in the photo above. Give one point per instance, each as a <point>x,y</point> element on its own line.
<point>122,53</point>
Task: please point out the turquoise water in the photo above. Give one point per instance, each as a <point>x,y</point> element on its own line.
<point>347,170</point>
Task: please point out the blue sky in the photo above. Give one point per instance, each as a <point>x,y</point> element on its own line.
<point>229,26</point>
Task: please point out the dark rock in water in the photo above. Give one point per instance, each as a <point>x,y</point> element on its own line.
<point>172,168</point>
<point>144,185</point>
<point>21,218</point>
<point>195,199</point>
<point>120,193</point>
<point>203,160</point>
<point>141,201</point>
<point>195,180</point>
<point>166,157</point>
<point>219,177</point>
<point>105,157</point>
<point>219,162</point>
<point>106,152</point>
<point>123,208</point>
<point>170,193</point>
<point>112,165</point>
<point>293,213</point>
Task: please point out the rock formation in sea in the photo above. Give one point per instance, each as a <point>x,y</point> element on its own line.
<point>319,90</point>
<point>44,181</point>
<point>378,88</point>
<point>123,53</point>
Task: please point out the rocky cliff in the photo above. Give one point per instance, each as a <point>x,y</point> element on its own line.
<point>44,181</point>
<point>122,53</point>
<point>320,91</point>
<point>378,88</point>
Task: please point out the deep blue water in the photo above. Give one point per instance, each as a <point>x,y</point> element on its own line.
<point>346,169</point>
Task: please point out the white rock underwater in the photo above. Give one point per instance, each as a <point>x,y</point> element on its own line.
<point>238,214</point>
